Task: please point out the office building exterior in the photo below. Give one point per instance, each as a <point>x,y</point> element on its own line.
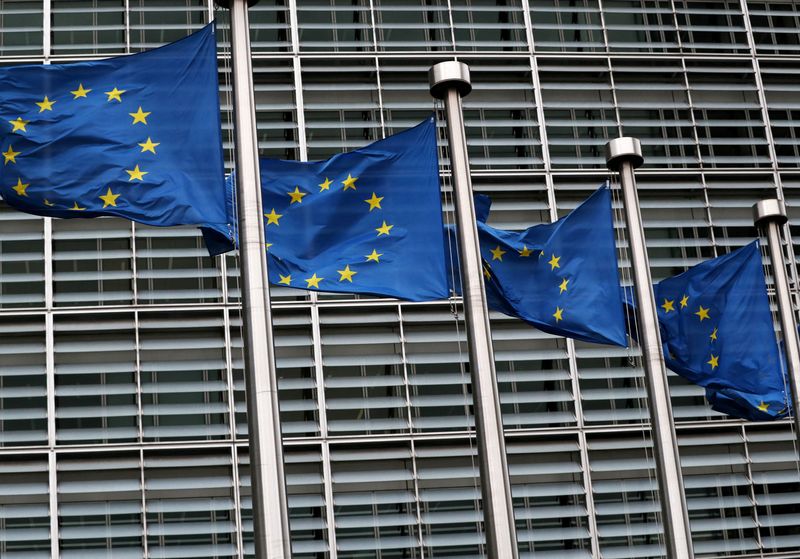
<point>122,415</point>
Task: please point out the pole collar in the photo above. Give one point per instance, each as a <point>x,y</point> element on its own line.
<point>227,3</point>
<point>621,150</point>
<point>449,75</point>
<point>770,210</point>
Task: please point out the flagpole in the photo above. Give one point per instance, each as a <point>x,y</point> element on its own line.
<point>268,486</point>
<point>624,155</point>
<point>450,81</point>
<point>770,216</point>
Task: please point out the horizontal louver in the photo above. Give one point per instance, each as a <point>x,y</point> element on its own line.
<point>132,336</point>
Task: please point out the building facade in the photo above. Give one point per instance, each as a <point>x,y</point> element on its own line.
<point>122,414</point>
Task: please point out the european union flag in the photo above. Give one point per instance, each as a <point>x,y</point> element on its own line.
<point>560,277</point>
<point>136,137</point>
<point>368,221</point>
<point>717,332</point>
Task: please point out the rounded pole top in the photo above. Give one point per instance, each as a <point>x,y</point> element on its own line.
<point>624,149</point>
<point>770,210</point>
<point>449,75</point>
<point>227,3</point>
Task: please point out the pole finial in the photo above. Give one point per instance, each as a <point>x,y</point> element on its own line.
<point>450,74</point>
<point>770,210</point>
<point>624,149</point>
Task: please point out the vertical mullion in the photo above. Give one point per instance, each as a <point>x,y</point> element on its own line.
<point>49,333</point>
<point>294,30</point>
<point>231,391</point>
<point>410,418</point>
<point>145,548</point>
<point>699,155</point>
<point>751,487</point>
<point>127,25</point>
<point>327,474</point>
<point>237,500</point>
<point>138,375</point>
<point>52,484</point>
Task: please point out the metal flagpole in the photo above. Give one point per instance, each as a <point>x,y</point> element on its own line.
<point>624,155</point>
<point>450,81</point>
<point>769,216</point>
<point>270,511</point>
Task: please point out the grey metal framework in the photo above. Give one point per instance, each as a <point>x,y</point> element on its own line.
<point>122,429</point>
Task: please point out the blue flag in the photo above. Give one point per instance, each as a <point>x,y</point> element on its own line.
<point>559,277</point>
<point>717,332</point>
<point>136,137</point>
<point>368,221</point>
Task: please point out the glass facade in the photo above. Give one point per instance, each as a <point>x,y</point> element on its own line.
<point>122,413</point>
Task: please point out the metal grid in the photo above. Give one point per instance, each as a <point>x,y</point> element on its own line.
<point>121,387</point>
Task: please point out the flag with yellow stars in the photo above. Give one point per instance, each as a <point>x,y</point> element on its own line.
<point>717,331</point>
<point>560,277</point>
<point>368,221</point>
<point>136,137</point>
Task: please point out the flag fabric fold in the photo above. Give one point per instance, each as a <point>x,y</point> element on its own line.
<point>560,277</point>
<point>368,221</point>
<point>717,332</point>
<point>136,137</point>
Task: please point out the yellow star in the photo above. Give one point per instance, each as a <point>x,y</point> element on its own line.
<point>713,335</point>
<point>313,281</point>
<point>19,188</point>
<point>374,257</point>
<point>10,155</point>
<point>80,92</point>
<point>563,286</point>
<point>19,124</point>
<point>346,274</point>
<point>48,202</point>
<point>349,182</point>
<point>115,94</point>
<point>702,313</point>
<point>286,280</point>
<point>384,229</point>
<point>714,361</point>
<point>554,262</point>
<point>558,314</point>
<point>669,305</point>
<point>267,245</point>
<point>139,116</point>
<point>297,196</point>
<point>684,301</point>
<point>76,207</point>
<point>325,185</point>
<point>497,253</point>
<point>46,105</point>
<point>763,406</point>
<point>487,274</point>
<point>149,145</point>
<point>136,174</point>
<point>109,198</point>
<point>374,202</point>
<point>525,252</point>
<point>273,217</point>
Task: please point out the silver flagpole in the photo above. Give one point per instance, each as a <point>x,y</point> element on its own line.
<point>270,511</point>
<point>624,155</point>
<point>450,81</point>
<point>769,216</point>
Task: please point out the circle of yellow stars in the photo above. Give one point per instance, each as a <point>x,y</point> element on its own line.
<point>702,313</point>
<point>20,126</point>
<point>346,274</point>
<point>554,262</point>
